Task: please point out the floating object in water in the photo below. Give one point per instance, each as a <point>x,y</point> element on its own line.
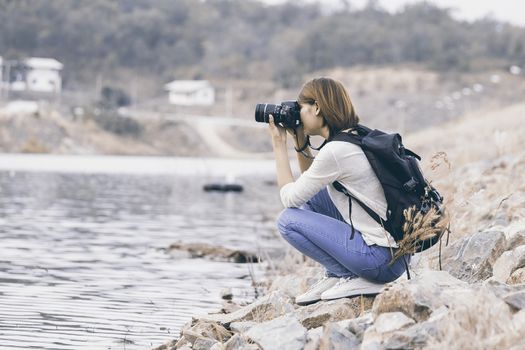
<point>223,187</point>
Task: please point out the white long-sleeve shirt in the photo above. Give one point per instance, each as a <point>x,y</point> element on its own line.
<point>344,162</point>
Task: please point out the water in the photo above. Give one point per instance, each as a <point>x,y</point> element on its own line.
<point>83,263</point>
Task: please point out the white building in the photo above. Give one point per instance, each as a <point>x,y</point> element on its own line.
<point>191,92</point>
<point>43,75</point>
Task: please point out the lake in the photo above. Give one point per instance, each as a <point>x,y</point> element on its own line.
<point>84,263</point>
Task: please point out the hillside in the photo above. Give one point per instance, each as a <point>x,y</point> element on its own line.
<point>478,162</point>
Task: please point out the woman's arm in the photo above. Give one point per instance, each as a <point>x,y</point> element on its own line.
<point>299,140</point>
<point>284,172</point>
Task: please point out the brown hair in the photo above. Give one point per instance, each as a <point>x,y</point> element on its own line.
<point>334,103</point>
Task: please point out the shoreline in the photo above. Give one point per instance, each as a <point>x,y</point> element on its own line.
<point>431,309</point>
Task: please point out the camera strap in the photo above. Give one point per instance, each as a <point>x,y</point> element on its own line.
<point>308,144</point>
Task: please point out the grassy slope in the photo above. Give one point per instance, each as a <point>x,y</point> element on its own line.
<point>478,163</point>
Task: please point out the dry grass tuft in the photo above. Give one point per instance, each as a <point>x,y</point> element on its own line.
<point>420,227</point>
<point>438,159</point>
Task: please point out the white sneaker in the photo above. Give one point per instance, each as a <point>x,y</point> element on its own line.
<point>351,287</point>
<point>313,294</point>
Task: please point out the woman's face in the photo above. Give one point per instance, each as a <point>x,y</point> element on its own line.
<point>311,118</point>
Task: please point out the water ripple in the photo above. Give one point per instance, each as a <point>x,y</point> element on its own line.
<point>83,264</point>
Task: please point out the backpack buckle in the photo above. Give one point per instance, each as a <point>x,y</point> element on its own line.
<point>410,185</point>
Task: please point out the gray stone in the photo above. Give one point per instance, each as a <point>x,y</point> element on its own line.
<point>501,289</point>
<point>358,325</point>
<point>416,336</point>
<point>238,342</point>
<point>296,283</point>
<point>516,299</point>
<point>284,332</point>
<point>266,308</point>
<point>226,294</point>
<point>336,337</point>
<point>318,314</point>
<point>242,327</point>
<point>421,295</point>
<point>508,262</point>
<point>171,345</point>
<point>313,338</point>
<point>391,321</point>
<point>204,344</point>
<point>205,329</point>
<point>471,258</point>
<point>519,319</point>
<point>515,236</point>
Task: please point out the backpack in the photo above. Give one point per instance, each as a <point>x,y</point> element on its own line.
<point>415,216</point>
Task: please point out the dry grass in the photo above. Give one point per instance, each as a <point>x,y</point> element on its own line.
<point>420,227</point>
<point>477,163</point>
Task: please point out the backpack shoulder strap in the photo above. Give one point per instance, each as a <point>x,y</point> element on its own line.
<point>339,187</point>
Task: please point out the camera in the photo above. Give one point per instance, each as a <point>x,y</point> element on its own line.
<point>287,113</point>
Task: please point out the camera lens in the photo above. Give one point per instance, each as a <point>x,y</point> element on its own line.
<point>263,111</point>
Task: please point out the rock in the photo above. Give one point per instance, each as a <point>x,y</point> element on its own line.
<point>419,296</point>
<point>391,321</point>
<point>206,329</point>
<point>416,336</point>
<point>358,325</point>
<point>515,234</point>
<point>226,294</point>
<point>229,307</point>
<point>519,319</point>
<point>204,343</point>
<point>501,289</point>
<point>242,327</point>
<point>171,345</point>
<point>296,283</point>
<point>217,346</point>
<point>202,250</point>
<point>516,299</point>
<point>471,258</point>
<point>336,337</point>
<point>380,336</point>
<point>317,314</point>
<point>284,332</point>
<point>508,262</point>
<point>182,342</point>
<point>266,308</point>
<point>517,276</point>
<point>313,338</point>
<point>239,342</point>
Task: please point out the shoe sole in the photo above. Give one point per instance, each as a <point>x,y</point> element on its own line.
<point>355,293</point>
<point>309,302</point>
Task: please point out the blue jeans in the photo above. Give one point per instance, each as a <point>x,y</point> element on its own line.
<point>318,230</point>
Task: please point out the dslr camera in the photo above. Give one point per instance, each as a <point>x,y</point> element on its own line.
<point>287,113</point>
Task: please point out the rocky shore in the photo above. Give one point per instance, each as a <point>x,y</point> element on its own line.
<point>476,302</point>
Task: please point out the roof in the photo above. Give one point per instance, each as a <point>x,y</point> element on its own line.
<point>43,63</point>
<point>187,85</point>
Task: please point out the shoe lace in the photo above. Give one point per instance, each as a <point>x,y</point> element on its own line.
<point>343,280</point>
<point>324,278</point>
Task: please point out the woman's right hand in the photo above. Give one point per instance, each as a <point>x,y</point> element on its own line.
<point>277,132</point>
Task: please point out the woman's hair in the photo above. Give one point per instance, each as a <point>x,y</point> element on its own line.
<point>334,103</point>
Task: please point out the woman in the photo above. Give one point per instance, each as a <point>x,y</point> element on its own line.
<point>316,221</point>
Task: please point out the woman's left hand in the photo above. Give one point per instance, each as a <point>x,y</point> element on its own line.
<point>277,132</point>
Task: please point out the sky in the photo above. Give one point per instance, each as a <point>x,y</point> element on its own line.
<point>512,11</point>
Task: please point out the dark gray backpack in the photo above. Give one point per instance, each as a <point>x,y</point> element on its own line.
<point>404,185</point>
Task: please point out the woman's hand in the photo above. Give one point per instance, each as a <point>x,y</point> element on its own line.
<point>277,132</point>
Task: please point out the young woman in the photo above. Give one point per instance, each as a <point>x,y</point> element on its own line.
<point>316,221</point>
